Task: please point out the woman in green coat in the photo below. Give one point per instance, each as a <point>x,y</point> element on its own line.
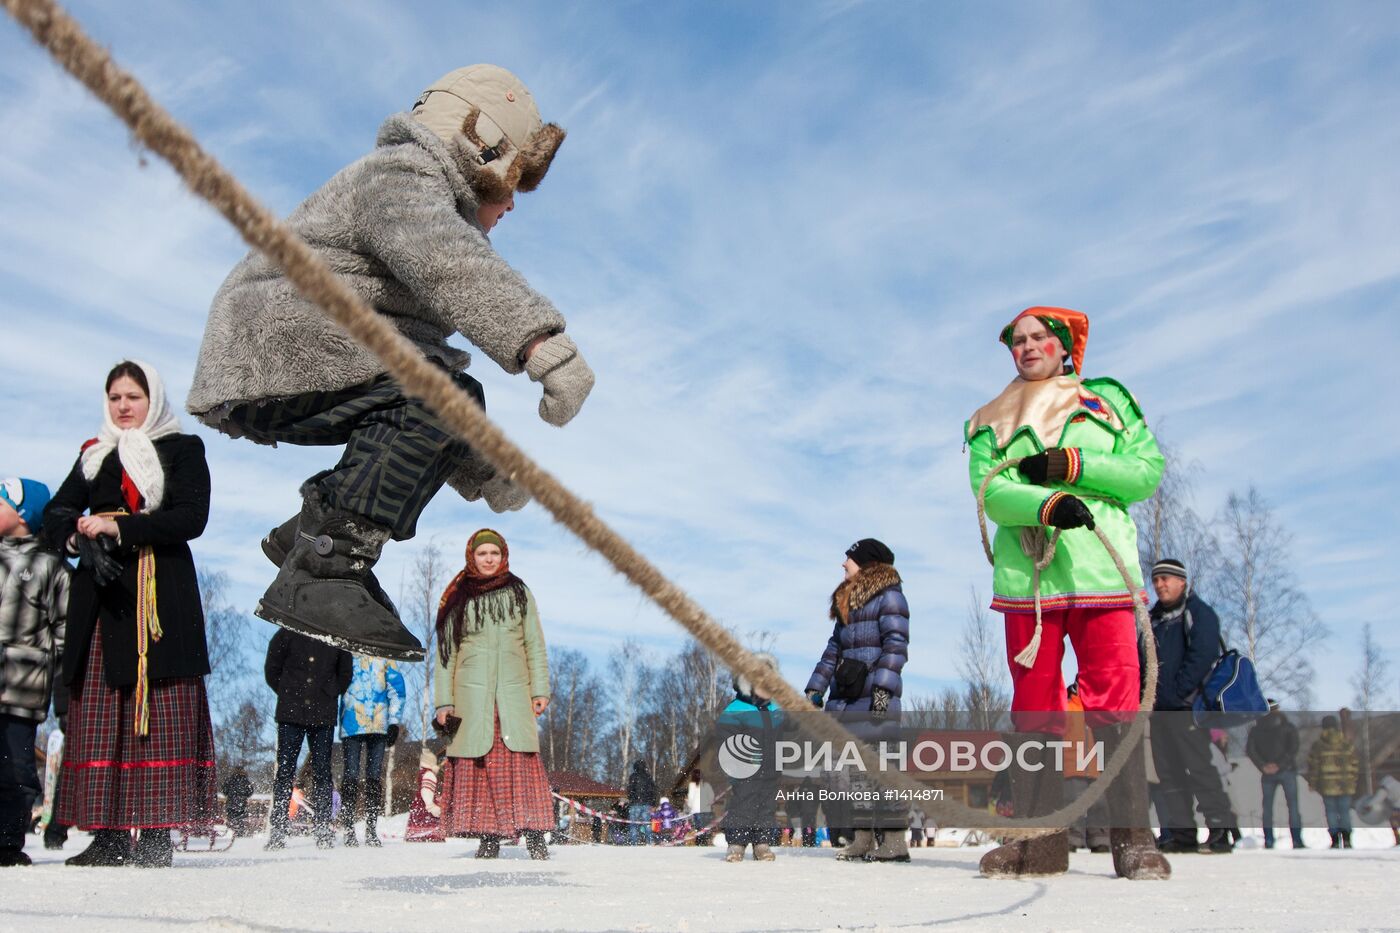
<point>492,678</point>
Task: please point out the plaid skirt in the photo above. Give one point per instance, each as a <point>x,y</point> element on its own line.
<point>499,794</point>
<point>115,779</point>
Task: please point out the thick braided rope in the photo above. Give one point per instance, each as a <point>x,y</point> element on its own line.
<point>64,39</point>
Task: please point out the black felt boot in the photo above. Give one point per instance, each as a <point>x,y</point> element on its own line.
<point>280,541</point>
<point>535,845</point>
<point>154,849</point>
<point>110,848</point>
<point>326,591</point>
<point>374,805</point>
<point>489,847</point>
<point>349,796</point>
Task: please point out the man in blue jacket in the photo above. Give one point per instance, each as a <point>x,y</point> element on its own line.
<point>1187,634</point>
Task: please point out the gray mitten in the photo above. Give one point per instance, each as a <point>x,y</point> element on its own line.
<point>469,475</point>
<point>503,495</point>
<point>558,366</point>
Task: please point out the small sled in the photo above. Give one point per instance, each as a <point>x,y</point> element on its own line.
<point>216,837</point>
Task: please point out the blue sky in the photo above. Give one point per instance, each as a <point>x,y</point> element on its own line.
<point>785,236</point>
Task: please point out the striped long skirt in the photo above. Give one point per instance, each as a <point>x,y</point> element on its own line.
<point>501,793</point>
<point>115,779</point>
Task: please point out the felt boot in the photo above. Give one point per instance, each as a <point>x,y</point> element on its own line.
<point>1135,854</point>
<point>325,589</point>
<point>861,846</point>
<point>349,797</point>
<point>536,846</point>
<point>280,541</point>
<point>735,853</point>
<point>892,848</point>
<point>374,805</point>
<point>489,847</point>
<point>1180,841</point>
<point>1346,839</point>
<point>1033,793</point>
<point>110,848</point>
<point>154,849</point>
<point>1218,842</point>
<point>13,857</point>
<point>55,835</point>
<point>762,853</point>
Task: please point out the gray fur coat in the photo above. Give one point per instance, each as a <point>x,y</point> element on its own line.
<point>400,226</point>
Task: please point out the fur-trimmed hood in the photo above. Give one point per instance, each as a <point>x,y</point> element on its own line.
<point>860,589</point>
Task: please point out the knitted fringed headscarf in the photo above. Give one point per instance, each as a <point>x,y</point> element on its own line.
<point>497,597</point>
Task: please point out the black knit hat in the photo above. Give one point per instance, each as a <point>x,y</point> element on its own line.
<point>869,551</point>
<point>1169,567</point>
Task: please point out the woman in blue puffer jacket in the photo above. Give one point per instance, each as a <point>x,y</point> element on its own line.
<point>861,668</point>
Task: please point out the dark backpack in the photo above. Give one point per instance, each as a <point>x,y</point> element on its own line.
<point>1229,695</point>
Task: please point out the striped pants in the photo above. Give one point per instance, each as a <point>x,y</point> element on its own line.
<point>397,455</point>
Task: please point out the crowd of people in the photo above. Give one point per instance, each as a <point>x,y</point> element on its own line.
<point>118,643</point>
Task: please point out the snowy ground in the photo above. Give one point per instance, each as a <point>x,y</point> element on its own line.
<point>424,887</point>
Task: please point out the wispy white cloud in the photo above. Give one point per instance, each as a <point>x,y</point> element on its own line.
<point>785,237</point>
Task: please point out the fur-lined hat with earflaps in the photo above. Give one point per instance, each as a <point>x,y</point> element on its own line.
<point>487,111</point>
<point>744,686</point>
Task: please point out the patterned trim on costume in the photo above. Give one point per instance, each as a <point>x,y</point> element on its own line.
<point>1047,507</point>
<point>1076,464</point>
<point>127,765</point>
<point>1120,600</point>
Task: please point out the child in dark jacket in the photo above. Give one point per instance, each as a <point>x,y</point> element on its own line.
<point>33,619</point>
<point>749,726</point>
<point>308,677</point>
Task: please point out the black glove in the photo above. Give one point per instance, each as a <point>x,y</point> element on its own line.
<point>392,738</point>
<point>1049,466</point>
<point>1065,511</point>
<point>816,699</point>
<point>879,701</point>
<point>96,555</point>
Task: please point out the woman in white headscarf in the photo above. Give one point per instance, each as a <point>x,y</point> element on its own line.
<point>140,750</point>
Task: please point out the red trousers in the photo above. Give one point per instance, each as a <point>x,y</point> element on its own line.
<point>1106,650</point>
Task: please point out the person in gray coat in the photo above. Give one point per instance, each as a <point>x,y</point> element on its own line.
<point>406,227</point>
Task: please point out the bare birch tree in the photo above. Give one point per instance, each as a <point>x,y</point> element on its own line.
<point>1169,526</point>
<point>1370,683</point>
<point>419,593</point>
<point>1263,612</point>
<point>982,664</point>
<point>571,720</point>
<point>626,674</point>
<point>226,634</point>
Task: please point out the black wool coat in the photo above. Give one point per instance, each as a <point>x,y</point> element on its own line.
<point>182,650</point>
<point>308,677</point>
